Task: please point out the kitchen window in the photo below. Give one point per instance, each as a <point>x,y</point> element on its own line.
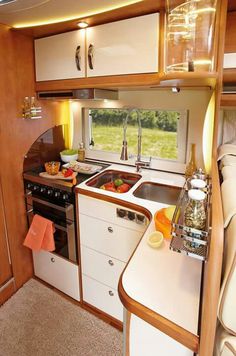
<point>164,135</point>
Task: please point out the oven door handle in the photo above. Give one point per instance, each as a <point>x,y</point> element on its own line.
<point>51,205</point>
<point>65,229</point>
<point>69,225</point>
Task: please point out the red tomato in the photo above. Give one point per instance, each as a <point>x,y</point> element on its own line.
<point>111,189</point>
<point>123,188</point>
<point>68,173</point>
<point>109,185</point>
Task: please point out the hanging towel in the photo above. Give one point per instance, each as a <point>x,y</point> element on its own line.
<point>40,234</point>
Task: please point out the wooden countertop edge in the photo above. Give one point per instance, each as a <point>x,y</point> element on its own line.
<point>178,333</point>
<point>171,329</point>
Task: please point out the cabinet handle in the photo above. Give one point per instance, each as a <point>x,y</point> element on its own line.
<point>111,293</point>
<point>78,58</point>
<point>52,259</point>
<point>90,56</point>
<point>110,229</point>
<point>111,263</point>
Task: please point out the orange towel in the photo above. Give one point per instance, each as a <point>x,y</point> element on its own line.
<point>40,234</point>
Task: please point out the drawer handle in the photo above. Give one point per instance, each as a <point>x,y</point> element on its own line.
<point>111,293</point>
<point>52,259</point>
<point>110,229</point>
<point>111,263</point>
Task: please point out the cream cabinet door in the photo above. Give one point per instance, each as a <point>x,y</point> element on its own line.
<point>61,56</point>
<point>123,47</point>
<point>58,272</point>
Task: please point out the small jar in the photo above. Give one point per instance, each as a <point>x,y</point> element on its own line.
<point>195,215</point>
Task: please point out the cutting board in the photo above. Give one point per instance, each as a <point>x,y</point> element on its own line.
<point>59,175</point>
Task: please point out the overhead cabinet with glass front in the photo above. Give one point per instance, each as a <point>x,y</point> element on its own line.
<point>123,47</point>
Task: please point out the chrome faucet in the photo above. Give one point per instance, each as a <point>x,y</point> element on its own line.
<point>124,153</point>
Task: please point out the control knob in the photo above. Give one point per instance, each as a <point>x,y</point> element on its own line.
<point>29,185</point>
<point>49,192</point>
<point>42,190</point>
<point>35,187</point>
<point>57,194</point>
<point>131,215</point>
<point>65,196</point>
<point>121,213</point>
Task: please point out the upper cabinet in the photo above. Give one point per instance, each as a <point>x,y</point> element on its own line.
<point>60,56</point>
<point>123,47</point>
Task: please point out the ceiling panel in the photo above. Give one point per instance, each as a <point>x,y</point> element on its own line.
<point>26,13</point>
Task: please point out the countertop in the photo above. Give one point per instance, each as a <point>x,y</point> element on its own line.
<point>161,281</point>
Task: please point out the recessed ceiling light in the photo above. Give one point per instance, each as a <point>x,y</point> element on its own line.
<point>82,24</point>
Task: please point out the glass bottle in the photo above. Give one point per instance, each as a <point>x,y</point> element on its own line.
<point>81,152</point>
<point>191,166</point>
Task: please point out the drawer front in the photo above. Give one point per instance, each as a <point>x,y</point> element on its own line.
<point>102,297</point>
<point>103,268</point>
<point>107,211</point>
<point>110,239</point>
<point>58,272</point>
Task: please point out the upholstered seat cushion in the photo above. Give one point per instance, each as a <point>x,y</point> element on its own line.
<point>228,172</point>
<point>225,344</point>
<point>227,302</point>
<point>226,149</point>
<point>228,192</point>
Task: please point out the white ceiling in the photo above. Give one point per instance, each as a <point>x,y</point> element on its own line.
<point>25,13</point>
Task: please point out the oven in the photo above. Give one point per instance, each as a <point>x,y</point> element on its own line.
<point>58,206</point>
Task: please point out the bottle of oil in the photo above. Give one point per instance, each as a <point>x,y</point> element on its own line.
<point>81,152</point>
<point>191,166</point>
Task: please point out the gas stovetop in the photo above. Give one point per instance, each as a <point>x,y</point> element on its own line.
<point>33,176</point>
<point>53,190</point>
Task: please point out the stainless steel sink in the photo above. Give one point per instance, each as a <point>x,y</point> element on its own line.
<point>110,175</point>
<point>158,192</point>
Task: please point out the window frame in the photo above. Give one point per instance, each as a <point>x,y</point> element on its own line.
<point>156,163</point>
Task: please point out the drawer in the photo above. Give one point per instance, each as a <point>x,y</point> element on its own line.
<point>103,268</point>
<point>108,238</point>
<point>107,211</point>
<point>58,272</point>
<point>102,297</point>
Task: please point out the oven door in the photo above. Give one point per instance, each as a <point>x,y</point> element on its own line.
<point>65,231</point>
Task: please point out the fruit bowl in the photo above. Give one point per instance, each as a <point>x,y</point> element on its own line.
<point>52,167</point>
<point>69,155</point>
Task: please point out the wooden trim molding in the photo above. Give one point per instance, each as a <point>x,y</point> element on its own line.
<point>7,290</point>
<point>228,100</point>
<point>229,75</point>
<point>114,201</point>
<point>115,81</point>
<point>133,81</point>
<point>176,332</point>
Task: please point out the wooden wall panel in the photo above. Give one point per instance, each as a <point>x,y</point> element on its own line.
<point>16,137</point>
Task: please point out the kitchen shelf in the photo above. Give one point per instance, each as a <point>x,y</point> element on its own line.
<point>228,100</point>
<point>183,235</point>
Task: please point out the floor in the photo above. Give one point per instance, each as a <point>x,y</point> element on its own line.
<point>37,321</point>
